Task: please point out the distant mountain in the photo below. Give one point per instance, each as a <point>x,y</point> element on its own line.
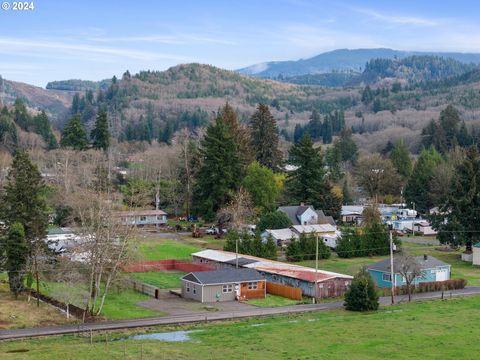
<point>54,102</point>
<point>342,60</point>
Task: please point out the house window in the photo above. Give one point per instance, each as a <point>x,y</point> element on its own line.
<point>252,286</point>
<point>387,277</point>
<point>143,218</point>
<point>228,288</point>
<point>188,287</point>
<point>194,289</point>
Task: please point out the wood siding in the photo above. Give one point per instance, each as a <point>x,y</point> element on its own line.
<point>289,292</point>
<point>258,293</point>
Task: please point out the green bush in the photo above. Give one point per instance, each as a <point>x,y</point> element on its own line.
<point>362,294</point>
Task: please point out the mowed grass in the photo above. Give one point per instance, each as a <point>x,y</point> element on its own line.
<point>160,279</point>
<point>424,330</point>
<point>166,249</point>
<point>273,301</point>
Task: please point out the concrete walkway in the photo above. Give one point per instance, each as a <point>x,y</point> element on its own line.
<point>192,318</point>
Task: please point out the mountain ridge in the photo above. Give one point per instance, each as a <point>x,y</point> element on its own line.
<point>342,60</point>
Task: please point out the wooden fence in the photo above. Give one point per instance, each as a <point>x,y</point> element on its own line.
<point>284,290</point>
<point>147,289</point>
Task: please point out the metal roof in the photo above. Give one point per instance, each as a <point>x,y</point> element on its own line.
<point>140,213</point>
<point>282,234</point>
<point>316,228</point>
<point>272,266</point>
<point>241,261</point>
<point>429,263</point>
<point>224,276</point>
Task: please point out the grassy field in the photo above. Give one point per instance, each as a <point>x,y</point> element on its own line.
<point>273,301</point>
<point>160,279</point>
<point>21,314</point>
<point>166,249</point>
<point>119,304</point>
<point>427,330</point>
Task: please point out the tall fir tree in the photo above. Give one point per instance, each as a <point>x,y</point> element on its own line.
<point>100,134</point>
<point>220,173</point>
<point>24,202</point>
<point>308,183</point>
<point>400,157</point>
<point>240,135</point>
<point>42,127</point>
<point>315,125</point>
<point>264,134</point>
<point>74,134</point>
<point>16,253</point>
<point>418,185</point>
<point>457,222</point>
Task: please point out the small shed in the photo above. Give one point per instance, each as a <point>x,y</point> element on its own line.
<point>476,254</point>
<point>224,285</point>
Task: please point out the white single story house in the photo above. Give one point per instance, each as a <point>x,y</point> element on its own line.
<point>282,237</point>
<point>423,227</point>
<point>142,217</point>
<point>476,254</point>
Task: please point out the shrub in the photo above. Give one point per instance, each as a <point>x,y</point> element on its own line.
<point>362,294</point>
<point>452,284</point>
<point>305,248</point>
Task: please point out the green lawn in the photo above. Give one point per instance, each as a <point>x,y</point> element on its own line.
<point>119,304</point>
<point>424,330</point>
<point>166,249</point>
<point>273,301</point>
<point>160,279</point>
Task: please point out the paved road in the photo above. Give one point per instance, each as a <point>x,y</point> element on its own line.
<point>182,319</point>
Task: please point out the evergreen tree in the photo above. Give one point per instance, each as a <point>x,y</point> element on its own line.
<point>42,127</point>
<point>240,135</point>
<point>8,131</point>
<point>457,223</point>
<point>298,133</point>
<point>264,133</point>
<point>449,121</point>
<point>270,249</point>
<point>327,130</point>
<point>24,202</point>
<point>16,252</point>
<point>273,220</point>
<point>219,174</point>
<point>400,157</point>
<point>362,295</point>
<point>347,198</point>
<point>367,95</point>
<point>417,189</point>
<point>100,134</point>
<point>315,125</point>
<point>74,134</point>
<point>308,182</point>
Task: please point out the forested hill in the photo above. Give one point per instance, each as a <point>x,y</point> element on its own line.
<point>413,69</point>
<point>55,103</point>
<point>342,60</point>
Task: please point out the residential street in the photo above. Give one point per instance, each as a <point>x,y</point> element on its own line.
<point>181,319</point>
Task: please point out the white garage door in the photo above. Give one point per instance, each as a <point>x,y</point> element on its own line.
<point>441,275</point>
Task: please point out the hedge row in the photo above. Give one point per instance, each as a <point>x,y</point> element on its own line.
<point>452,284</point>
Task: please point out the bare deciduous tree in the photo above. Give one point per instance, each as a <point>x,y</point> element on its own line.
<point>238,212</point>
<point>409,268</point>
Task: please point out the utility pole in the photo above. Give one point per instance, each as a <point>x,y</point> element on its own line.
<point>392,272</point>
<point>316,272</point>
<point>413,221</point>
<point>236,253</point>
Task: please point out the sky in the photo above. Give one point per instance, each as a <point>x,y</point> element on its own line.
<point>94,40</point>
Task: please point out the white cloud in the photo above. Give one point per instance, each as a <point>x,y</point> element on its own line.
<point>11,45</point>
<point>397,19</point>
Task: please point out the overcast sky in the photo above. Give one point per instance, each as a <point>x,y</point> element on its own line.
<point>94,40</point>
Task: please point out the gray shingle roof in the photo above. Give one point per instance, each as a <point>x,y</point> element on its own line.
<point>294,211</point>
<point>241,261</point>
<point>224,276</point>
<point>430,263</point>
